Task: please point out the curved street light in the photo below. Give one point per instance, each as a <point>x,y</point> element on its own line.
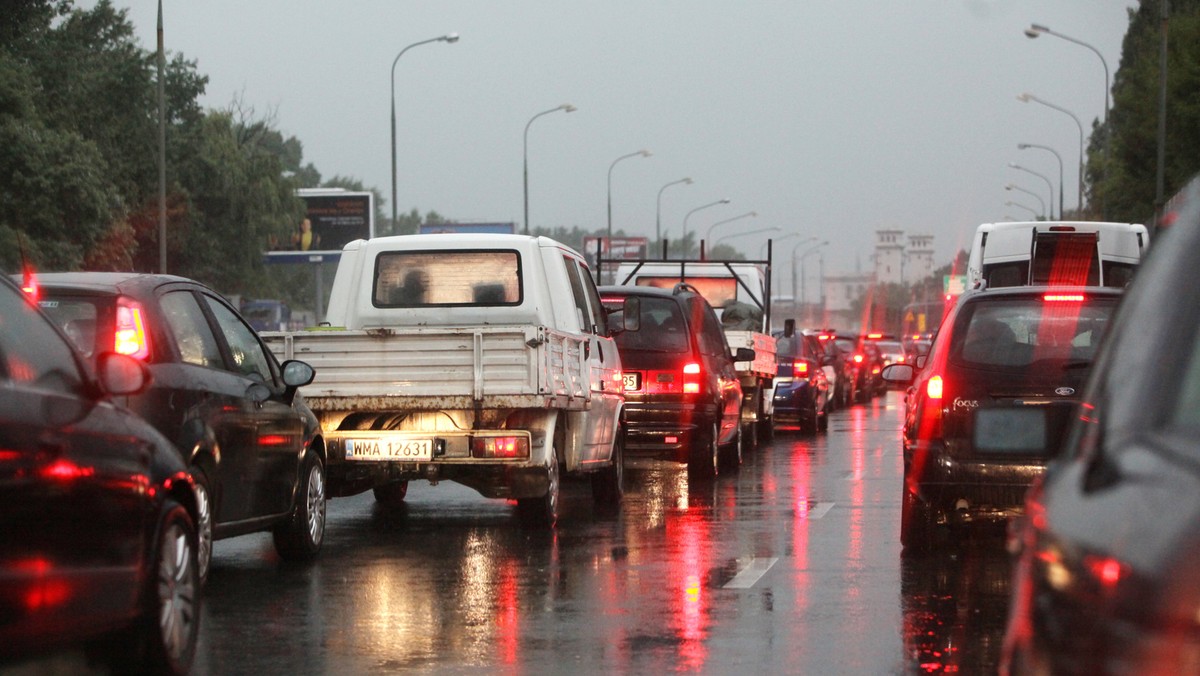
<point>773,228</point>
<point>449,38</point>
<point>683,237</point>
<point>804,255</point>
<point>566,107</point>
<point>794,249</point>
<point>1049,184</point>
<point>1023,146</point>
<point>748,214</point>
<point>1026,98</point>
<point>640,153</point>
<point>1031,210</point>
<point>658,208</point>
<point>1037,197</point>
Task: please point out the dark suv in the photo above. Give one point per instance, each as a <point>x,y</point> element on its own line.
<point>251,444</point>
<point>988,409</point>
<point>682,395</point>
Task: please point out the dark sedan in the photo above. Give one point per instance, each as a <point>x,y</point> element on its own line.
<point>1106,579</point>
<point>97,510</point>
<point>252,446</point>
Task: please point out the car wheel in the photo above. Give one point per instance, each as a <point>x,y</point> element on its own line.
<point>543,511</point>
<point>204,523</point>
<point>391,494</point>
<point>704,459</point>
<point>163,639</point>
<point>766,430</point>
<point>608,485</point>
<point>300,538</point>
<point>823,421</point>
<point>731,453</point>
<point>916,525</point>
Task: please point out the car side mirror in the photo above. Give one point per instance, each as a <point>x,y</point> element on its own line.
<point>296,374</point>
<point>743,354</point>
<point>921,360</point>
<point>121,374</point>
<point>902,374</point>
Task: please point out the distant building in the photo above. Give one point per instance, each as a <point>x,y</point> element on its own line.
<point>889,256</point>
<point>918,259</point>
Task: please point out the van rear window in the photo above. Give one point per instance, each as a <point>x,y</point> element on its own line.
<point>1066,258</point>
<point>445,278</point>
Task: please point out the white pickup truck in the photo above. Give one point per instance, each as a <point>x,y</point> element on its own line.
<point>480,359</point>
<point>728,286</point>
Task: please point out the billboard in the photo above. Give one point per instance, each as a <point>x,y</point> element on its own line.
<point>333,218</point>
<point>469,228</point>
<point>618,248</point>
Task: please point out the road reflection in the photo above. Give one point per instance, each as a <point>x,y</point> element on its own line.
<point>955,606</point>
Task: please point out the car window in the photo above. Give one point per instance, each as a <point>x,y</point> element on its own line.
<point>663,328</point>
<point>193,336</point>
<point>583,309</point>
<point>249,357</point>
<point>441,278</point>
<point>1017,333</point>
<point>599,316</point>
<point>76,317</point>
<point>710,337</point>
<point>31,352</point>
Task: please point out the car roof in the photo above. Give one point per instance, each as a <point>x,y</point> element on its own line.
<point>1041,290</point>
<point>630,290</point>
<point>110,282</point>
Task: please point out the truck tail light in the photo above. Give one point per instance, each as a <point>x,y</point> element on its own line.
<point>800,369</point>
<point>500,447</point>
<point>130,337</point>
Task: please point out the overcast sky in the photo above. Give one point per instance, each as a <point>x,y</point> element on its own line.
<point>829,118</point>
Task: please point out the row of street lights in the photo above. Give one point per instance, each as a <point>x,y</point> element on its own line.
<point>1034,31</point>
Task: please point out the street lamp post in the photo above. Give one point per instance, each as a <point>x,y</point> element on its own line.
<point>658,208</point>
<point>683,237</point>
<point>1049,184</point>
<point>708,233</point>
<point>1023,146</point>
<point>1035,30</point>
<point>1037,197</point>
<point>640,153</point>
<point>773,228</point>
<point>794,249</point>
<point>566,107</point>
<point>450,38</point>
<point>1031,210</point>
<point>806,254</point>
<point>1026,98</point>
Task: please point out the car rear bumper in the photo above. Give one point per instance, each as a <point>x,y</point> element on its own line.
<point>970,490</point>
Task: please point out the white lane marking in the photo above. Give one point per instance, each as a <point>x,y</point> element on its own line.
<point>818,510</point>
<point>752,573</point>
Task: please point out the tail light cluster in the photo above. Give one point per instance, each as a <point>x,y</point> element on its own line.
<point>800,369</point>
<point>685,380</point>
<point>131,337</point>
<point>500,447</point>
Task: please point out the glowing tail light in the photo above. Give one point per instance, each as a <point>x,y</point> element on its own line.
<point>1063,298</point>
<point>1108,571</point>
<point>65,470</point>
<point>934,388</point>
<point>29,283</point>
<point>500,447</point>
<point>800,368</point>
<point>691,378</point>
<point>858,359</point>
<point>130,337</point>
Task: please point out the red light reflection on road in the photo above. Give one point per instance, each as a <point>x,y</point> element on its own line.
<point>508,625</point>
<point>688,537</point>
<point>801,474</point>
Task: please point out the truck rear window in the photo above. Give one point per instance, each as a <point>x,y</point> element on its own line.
<point>443,278</point>
<point>716,290</point>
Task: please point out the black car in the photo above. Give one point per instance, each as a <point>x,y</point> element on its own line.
<point>251,444</point>
<point>97,511</point>
<point>682,395</point>
<point>800,392</point>
<point>988,410</point>
<point>1106,578</point>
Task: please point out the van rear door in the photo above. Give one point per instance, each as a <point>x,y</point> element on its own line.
<point>1071,258</point>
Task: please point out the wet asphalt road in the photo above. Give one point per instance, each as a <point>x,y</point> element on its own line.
<point>791,565</point>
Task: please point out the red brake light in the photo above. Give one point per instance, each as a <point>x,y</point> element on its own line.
<point>874,336</point>
<point>1064,298</point>
<point>131,338</point>
<point>500,447</point>
<point>691,385</point>
<point>29,283</point>
<point>800,368</point>
<point>1107,571</point>
<point>858,359</point>
<point>934,387</point>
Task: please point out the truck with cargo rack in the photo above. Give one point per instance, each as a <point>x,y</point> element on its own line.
<point>485,360</point>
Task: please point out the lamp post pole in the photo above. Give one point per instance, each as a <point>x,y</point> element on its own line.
<point>683,237</point>
<point>1031,210</point>
<point>708,233</point>
<point>1049,184</point>
<point>658,209</point>
<point>1037,197</point>
<point>566,107</point>
<point>794,249</point>
<point>1023,146</point>
<point>640,153</point>
<point>1035,30</point>
<point>806,254</point>
<point>1026,98</point>
<point>449,38</point>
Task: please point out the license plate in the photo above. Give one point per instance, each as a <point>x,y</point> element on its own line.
<point>412,450</point>
<point>1011,430</point>
<point>632,382</point>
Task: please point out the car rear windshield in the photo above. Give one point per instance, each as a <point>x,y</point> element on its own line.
<point>76,317</point>
<point>1017,333</point>
<point>412,279</point>
<point>662,329</point>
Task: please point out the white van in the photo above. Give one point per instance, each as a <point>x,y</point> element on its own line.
<point>1056,252</point>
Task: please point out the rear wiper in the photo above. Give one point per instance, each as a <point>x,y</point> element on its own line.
<point>1077,364</point>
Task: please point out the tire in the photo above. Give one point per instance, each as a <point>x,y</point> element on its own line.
<point>731,453</point>
<point>300,537</point>
<point>204,523</point>
<point>391,495</point>
<point>823,422</point>
<point>766,431</point>
<point>916,525</point>
<point>608,485</point>
<point>703,461</point>
<point>163,638</point>
<point>543,511</point>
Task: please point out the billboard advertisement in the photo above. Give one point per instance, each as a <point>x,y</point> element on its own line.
<point>618,248</point>
<point>332,219</point>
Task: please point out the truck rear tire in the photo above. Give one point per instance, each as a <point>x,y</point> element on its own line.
<point>543,511</point>
<point>608,485</point>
